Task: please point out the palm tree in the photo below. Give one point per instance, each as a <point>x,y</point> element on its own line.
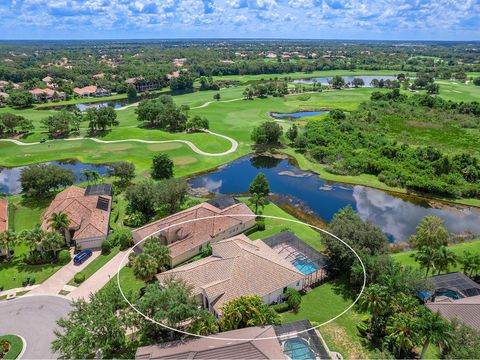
<point>61,223</point>
<point>144,267</point>
<point>8,239</point>
<point>434,329</point>
<point>53,241</point>
<point>443,258</point>
<point>164,258</point>
<point>425,257</point>
<point>33,238</point>
<point>470,263</point>
<point>403,334</point>
<point>375,299</point>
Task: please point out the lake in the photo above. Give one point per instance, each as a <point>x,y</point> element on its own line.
<point>10,177</point>
<point>298,114</point>
<point>397,216</point>
<point>366,79</point>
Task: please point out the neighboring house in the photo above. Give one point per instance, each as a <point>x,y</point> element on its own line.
<point>465,310</point>
<point>3,97</point>
<point>215,347</point>
<point>238,266</point>
<point>3,219</point>
<point>4,85</point>
<point>454,285</point>
<point>143,85</point>
<point>88,210</point>
<point>48,80</point>
<point>227,217</point>
<point>91,91</point>
<point>295,340</point>
<point>173,75</point>
<point>47,95</point>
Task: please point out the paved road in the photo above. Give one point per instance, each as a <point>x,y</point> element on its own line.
<point>34,318</point>
<point>101,277</point>
<point>57,281</point>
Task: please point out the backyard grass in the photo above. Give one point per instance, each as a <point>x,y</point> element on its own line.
<point>14,271</point>
<point>24,214</point>
<point>405,258</point>
<point>323,303</point>
<point>16,346</point>
<point>128,282</point>
<point>96,264</point>
<point>274,226</point>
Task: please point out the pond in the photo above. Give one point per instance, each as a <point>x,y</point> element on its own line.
<point>366,79</point>
<point>297,115</point>
<point>10,177</point>
<point>397,216</point>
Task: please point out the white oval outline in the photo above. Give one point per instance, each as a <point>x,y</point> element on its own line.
<point>237,339</point>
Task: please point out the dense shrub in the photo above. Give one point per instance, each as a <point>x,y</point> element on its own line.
<point>64,257</point>
<point>280,308</point>
<point>293,299</point>
<point>261,224</point>
<point>79,278</point>
<point>106,246</point>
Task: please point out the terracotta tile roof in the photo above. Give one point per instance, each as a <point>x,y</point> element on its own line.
<point>193,234</point>
<point>211,348</point>
<point>85,90</point>
<point>48,92</point>
<point>238,266</point>
<point>466,310</point>
<point>83,211</point>
<point>3,215</point>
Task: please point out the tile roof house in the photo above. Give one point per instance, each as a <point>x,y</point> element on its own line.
<point>186,240</point>
<point>238,266</point>
<point>89,215</point>
<point>465,310</point>
<point>216,347</point>
<point>91,91</point>
<point>3,215</point>
<point>46,95</point>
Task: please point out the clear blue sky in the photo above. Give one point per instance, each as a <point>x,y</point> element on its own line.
<point>322,19</point>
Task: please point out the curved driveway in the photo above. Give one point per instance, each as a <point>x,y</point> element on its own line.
<point>34,318</point>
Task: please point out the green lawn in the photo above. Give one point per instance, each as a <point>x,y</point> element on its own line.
<point>322,304</point>
<point>16,346</point>
<point>274,226</point>
<point>25,214</point>
<point>128,282</point>
<point>96,264</point>
<point>405,258</point>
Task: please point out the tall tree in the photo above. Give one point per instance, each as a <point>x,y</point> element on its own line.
<point>60,222</point>
<point>162,167</point>
<point>434,329</point>
<point>430,232</point>
<point>259,190</point>
<point>144,267</point>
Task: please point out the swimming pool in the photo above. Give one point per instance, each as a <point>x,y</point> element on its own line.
<point>452,294</point>
<point>305,265</point>
<point>298,349</point>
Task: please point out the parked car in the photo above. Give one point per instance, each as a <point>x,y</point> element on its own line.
<point>42,140</point>
<point>82,256</point>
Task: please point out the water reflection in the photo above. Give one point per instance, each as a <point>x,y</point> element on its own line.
<point>397,216</point>
<point>10,177</point>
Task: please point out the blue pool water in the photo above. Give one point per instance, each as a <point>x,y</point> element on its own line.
<point>452,294</point>
<point>298,114</point>
<point>298,349</point>
<point>305,265</point>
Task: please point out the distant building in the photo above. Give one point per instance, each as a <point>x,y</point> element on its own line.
<point>91,91</point>
<point>47,95</point>
<point>88,210</point>
<point>186,237</point>
<point>3,97</point>
<point>238,266</point>
<point>144,85</point>
<point>465,310</point>
<point>4,85</point>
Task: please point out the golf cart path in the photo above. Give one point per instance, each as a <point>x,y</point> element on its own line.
<point>192,108</point>
<point>192,146</point>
